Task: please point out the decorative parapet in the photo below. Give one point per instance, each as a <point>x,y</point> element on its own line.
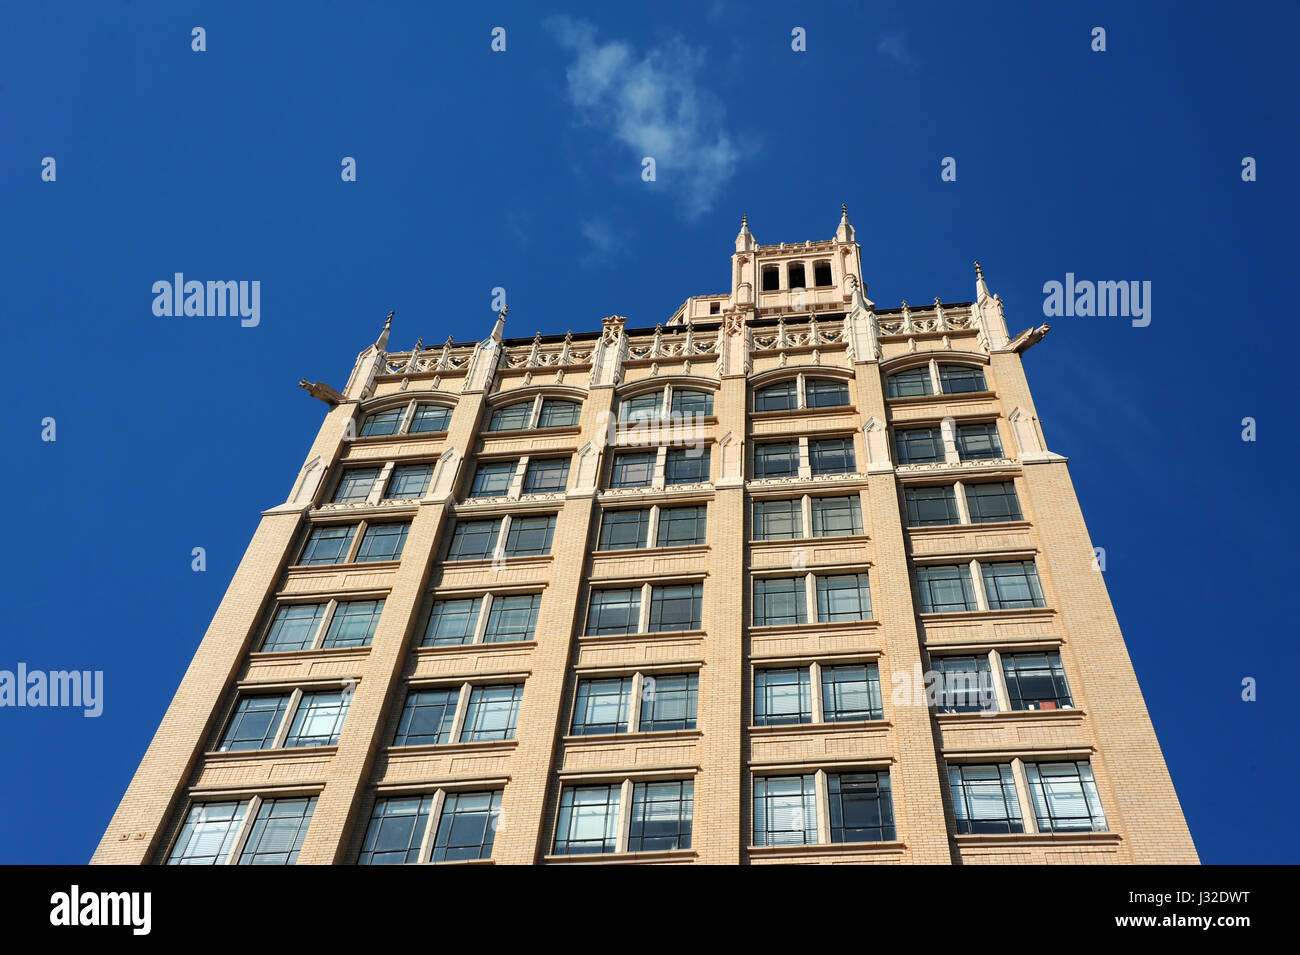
<point>936,320</point>
<point>806,334</point>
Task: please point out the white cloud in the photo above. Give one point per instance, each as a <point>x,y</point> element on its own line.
<point>603,239</point>
<point>896,48</point>
<point>651,104</point>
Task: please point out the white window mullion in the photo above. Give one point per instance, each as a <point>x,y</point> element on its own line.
<point>245,829</point>
<point>999,681</point>
<point>535,416</point>
<point>805,464</point>
<point>652,531</point>
<point>815,684</point>
<point>404,426</point>
<point>350,557</point>
<point>327,618</point>
<point>821,789</point>
<point>516,487</point>
<point>805,513</point>
<point>634,718</point>
<point>431,827</point>
<point>462,709</point>
<point>936,383</point>
<point>963,509</point>
<point>624,815</point>
<point>381,482</point>
<point>810,596</point>
<point>290,711</point>
<point>1024,795</point>
<point>643,617</point>
<point>977,582</point>
<point>481,624</point>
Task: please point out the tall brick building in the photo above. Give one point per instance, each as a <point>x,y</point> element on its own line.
<point>789,578</point>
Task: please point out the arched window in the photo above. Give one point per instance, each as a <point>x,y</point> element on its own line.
<point>803,392</point>
<point>537,412</point>
<point>961,379</point>
<point>783,396</point>
<point>417,417</point>
<point>934,378</point>
<point>912,383</point>
<point>430,419</point>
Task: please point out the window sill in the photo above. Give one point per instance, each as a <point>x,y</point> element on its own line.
<point>829,848</point>
<point>926,530</point>
<point>779,542</point>
<point>454,647</point>
<point>266,754</point>
<point>651,635</point>
<point>531,432</point>
<point>354,565</point>
<point>482,746</point>
<point>927,616</point>
<point>641,737</point>
<point>280,656</point>
<point>403,436</point>
<point>798,414</point>
<point>798,728</point>
<point>1071,713</point>
<point>681,550</point>
<point>1103,837</point>
<point>477,562</point>
<point>956,396</point>
<point>624,858</point>
<point>768,630</point>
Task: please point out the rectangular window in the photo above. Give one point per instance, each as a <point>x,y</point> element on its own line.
<point>382,423</point>
<point>686,466</point>
<point>427,717</point>
<point>588,820</point>
<point>913,383</point>
<point>546,476</point>
<point>963,685</point>
<point>1012,585</point>
<point>831,456</point>
<point>976,442</point>
<point>633,469</point>
<point>779,601</point>
<point>919,446</point>
<point>783,396</point>
<point>931,506</point>
<point>771,278</point>
<point>795,275</point>
<point>822,274</point>
<point>512,619</point>
<point>843,597</point>
<point>355,485</point>
<point>661,816</point>
<point>327,544</point>
<point>984,799</point>
<point>492,479</point>
<point>1036,681</point>
<point>409,482</point>
<point>1065,797</point>
<point>514,417</point>
<point>961,379</point>
<point>474,540</point>
<point>530,536</point>
<point>676,607</point>
<point>681,526</point>
<point>209,833</point>
<point>430,419</point>
<point>825,393</point>
<point>614,611</point>
<point>601,707</point>
<point>647,407</point>
<point>785,810</point>
<point>278,832</point>
<point>493,713</point>
<point>851,692</point>
<point>861,807</point>
<point>695,403</point>
<point>294,627</point>
<point>782,697</point>
<point>318,719</point>
<point>668,702</point>
<point>466,826</point>
<point>451,623</point>
<point>353,625</point>
<point>396,830</point>
<point>776,459</point>
<point>559,414</point>
<point>945,588</point>
<point>992,502</point>
<point>382,542</point>
<point>836,516</point>
<point>624,529</point>
<point>254,723</point>
<point>778,520</point>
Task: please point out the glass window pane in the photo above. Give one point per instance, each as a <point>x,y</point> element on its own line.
<point>978,441</point>
<point>1065,797</point>
<point>355,485</point>
<point>602,706</point>
<point>776,459</point>
<point>278,831</point>
<point>1036,681</point>
<point>512,417</point>
<point>688,402</point>
<point>778,397</point>
<point>962,684</point>
<point>645,407</point>
<point>492,479</point>
<point>546,475</point>
<point>661,816</point>
<point>327,544</point>
<point>624,529</point>
<point>614,611</point>
<point>1012,585</point>
<point>451,622</point>
<point>427,717</point>
<point>861,807</point>
<point>851,692</point>
<point>467,826</point>
<point>294,627</point>
<point>409,482</point>
<point>682,526</point>
<point>254,723</point>
<point>430,419</point>
<point>633,469</point>
<point>396,830</point>
<point>319,719</point>
<point>945,588</point>
<point>993,502</point>
<point>353,624</point>
<point>919,445</point>
<point>779,601</point>
<point>843,597</point>
<point>782,697</point>
<point>778,520</point>
<point>492,713</point>
<point>474,540</point>
<point>382,542</point>
<point>588,820</point>
<point>785,810</point>
<point>825,393</point>
<point>209,833</point>
<point>913,383</point>
<point>668,702</point>
<point>931,506</point>
<point>512,618</point>
<point>676,607</point>
<point>984,799</point>
<point>382,422</point>
<point>530,536</point>
<point>557,413</point>
<point>961,379</point>
<point>686,466</point>
<point>836,516</point>
<point>831,456</point>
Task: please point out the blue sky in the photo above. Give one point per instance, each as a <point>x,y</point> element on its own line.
<point>522,169</point>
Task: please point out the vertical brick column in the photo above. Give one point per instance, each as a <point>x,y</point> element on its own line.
<point>524,833</point>
<point>158,788</point>
<point>721,824</point>
<point>917,793</point>
<point>335,817</point>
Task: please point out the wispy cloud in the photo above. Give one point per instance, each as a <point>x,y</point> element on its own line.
<point>896,48</point>
<point>603,240</point>
<point>652,104</point>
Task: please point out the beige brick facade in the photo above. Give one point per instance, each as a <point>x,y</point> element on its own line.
<point>1082,776</point>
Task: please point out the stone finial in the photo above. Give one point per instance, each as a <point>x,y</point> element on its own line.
<point>382,342</point>
<point>981,289</point>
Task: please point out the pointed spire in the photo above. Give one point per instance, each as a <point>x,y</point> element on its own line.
<point>382,343</point>
<point>981,289</point>
<point>744,238</point>
<point>845,231</point>
<point>499,329</point>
